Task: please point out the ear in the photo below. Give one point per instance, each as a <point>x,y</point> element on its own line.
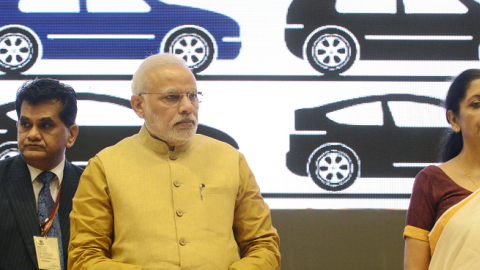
<point>138,105</point>
<point>72,135</point>
<point>453,120</point>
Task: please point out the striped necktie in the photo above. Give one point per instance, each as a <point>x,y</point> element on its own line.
<point>45,205</point>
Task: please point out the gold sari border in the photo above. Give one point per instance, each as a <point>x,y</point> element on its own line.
<point>444,219</point>
<point>416,233</point>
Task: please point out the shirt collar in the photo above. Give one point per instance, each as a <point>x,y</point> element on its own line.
<point>58,171</point>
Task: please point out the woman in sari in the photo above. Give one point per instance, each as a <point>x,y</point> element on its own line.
<point>443,220</point>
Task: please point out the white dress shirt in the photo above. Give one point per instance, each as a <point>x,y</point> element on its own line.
<point>54,184</point>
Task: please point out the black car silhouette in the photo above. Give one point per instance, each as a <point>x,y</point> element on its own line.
<point>393,135</point>
<point>332,39</point>
<point>92,137</point>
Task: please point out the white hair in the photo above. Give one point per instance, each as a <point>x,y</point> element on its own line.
<point>140,81</point>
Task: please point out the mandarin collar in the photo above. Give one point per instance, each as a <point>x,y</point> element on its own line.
<point>158,145</point>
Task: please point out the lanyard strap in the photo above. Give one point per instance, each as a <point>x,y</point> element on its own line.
<point>45,226</point>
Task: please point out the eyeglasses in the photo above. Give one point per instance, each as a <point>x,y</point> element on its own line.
<point>172,99</point>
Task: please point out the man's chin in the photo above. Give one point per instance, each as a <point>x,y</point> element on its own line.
<point>185,130</point>
<point>184,135</point>
<point>33,156</point>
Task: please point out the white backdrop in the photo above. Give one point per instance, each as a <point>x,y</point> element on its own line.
<point>259,114</point>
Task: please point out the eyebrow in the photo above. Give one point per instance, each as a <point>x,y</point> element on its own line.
<point>472,97</point>
<point>45,119</point>
<point>171,90</point>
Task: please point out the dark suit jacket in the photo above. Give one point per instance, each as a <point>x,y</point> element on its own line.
<point>18,214</point>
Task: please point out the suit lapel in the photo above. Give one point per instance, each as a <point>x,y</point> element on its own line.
<point>22,200</point>
<point>69,186</point>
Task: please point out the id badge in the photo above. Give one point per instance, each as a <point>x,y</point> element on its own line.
<point>47,252</point>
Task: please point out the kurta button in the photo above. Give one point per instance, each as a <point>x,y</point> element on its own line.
<point>182,241</point>
<point>172,157</point>
<point>176,183</point>
<point>179,213</point>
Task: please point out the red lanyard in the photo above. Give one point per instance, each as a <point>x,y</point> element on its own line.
<point>45,226</point>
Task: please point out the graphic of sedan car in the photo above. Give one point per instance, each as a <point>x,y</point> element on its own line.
<point>332,34</point>
<point>92,30</point>
<point>99,132</point>
<point>393,135</point>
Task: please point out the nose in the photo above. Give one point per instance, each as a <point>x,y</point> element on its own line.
<point>34,134</point>
<point>185,106</point>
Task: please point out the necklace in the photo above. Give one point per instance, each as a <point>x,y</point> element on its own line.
<point>461,165</point>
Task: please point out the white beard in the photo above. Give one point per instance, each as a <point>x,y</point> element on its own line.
<point>167,131</point>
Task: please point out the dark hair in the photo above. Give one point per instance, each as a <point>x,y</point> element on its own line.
<point>452,142</point>
<point>40,90</point>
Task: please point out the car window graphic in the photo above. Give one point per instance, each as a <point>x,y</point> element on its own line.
<point>50,6</point>
<point>111,114</point>
<point>434,7</point>
<point>13,115</point>
<point>73,6</point>
<point>411,6</point>
<point>367,114</point>
<point>366,6</point>
<point>412,114</point>
<point>130,6</point>
<point>89,114</point>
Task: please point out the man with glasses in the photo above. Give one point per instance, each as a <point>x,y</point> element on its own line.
<point>167,198</point>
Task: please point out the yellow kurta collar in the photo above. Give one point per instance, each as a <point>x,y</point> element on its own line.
<point>160,146</point>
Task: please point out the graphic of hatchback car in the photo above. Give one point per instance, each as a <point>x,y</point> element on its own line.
<point>102,29</point>
<point>96,119</point>
<point>394,135</point>
<point>333,34</point>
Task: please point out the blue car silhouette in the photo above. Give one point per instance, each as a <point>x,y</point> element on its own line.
<point>88,30</point>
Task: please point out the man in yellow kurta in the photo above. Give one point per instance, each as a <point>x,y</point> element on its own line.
<point>167,198</point>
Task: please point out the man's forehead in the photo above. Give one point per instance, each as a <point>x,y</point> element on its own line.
<point>44,119</point>
<point>50,107</point>
<point>52,101</point>
<point>172,74</point>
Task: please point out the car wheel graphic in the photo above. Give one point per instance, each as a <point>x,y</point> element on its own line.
<point>194,46</point>
<point>331,51</point>
<point>333,167</point>
<point>8,149</point>
<point>18,50</point>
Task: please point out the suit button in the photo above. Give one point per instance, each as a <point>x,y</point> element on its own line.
<point>182,241</point>
<point>179,213</point>
<point>176,183</point>
<point>172,157</point>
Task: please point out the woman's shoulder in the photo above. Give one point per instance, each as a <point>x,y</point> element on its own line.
<point>435,177</point>
<point>432,171</point>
